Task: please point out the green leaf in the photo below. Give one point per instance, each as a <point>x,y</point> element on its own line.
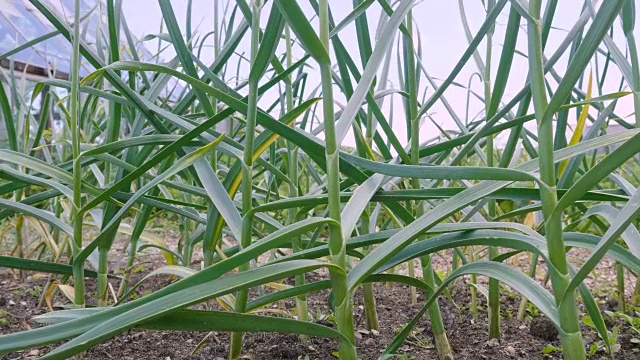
<point>43,266</point>
<point>180,299</point>
<point>441,211</point>
<point>364,85</point>
<point>39,214</point>
<point>302,28</point>
<point>514,278</point>
<point>628,213</point>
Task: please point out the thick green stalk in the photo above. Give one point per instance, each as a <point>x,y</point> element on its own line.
<point>216,28</point>
<point>636,293</point>
<point>210,236</point>
<point>455,261</point>
<point>19,227</point>
<point>113,130</point>
<point>390,271</point>
<point>235,346</point>
<point>532,272</point>
<point>19,224</point>
<point>620,286</point>
<point>412,273</point>
<point>494,98</point>
<point>370,313</point>
<point>474,291</point>
<point>628,15</point>
<point>208,257</point>
<point>369,299</point>
<point>301,300</point>
<point>337,245</point>
<point>292,152</point>
<point>494,285</point>
<point>141,220</point>
<point>437,326</point>
<point>103,268</point>
<point>633,53</point>
<point>573,347</point>
<point>187,246</point>
<point>74,99</point>
<point>138,227</point>
<point>56,239</point>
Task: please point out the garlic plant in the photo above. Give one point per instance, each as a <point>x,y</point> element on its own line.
<point>281,175</point>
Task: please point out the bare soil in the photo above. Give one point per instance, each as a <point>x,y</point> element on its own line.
<point>468,337</point>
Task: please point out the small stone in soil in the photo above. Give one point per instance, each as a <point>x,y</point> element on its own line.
<point>33,353</point>
<point>541,327</point>
<point>509,350</point>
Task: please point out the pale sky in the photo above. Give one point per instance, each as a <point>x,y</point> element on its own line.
<point>442,39</point>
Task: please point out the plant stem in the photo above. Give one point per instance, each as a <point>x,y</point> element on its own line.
<point>337,245</point>
<point>572,344</point>
<point>138,227</point>
<point>474,292</point>
<point>412,273</point>
<point>455,260</point>
<point>292,152</point>
<point>101,285</point>
<point>628,15</point>
<point>636,293</point>
<point>620,286</point>
<point>494,292</point>
<point>187,249</point>
<point>370,313</point>
<point>235,346</point>
<point>532,272</point>
<point>56,239</point>
<point>77,216</point>
<point>369,299</point>
<point>437,326</point>
<point>113,130</point>
<point>20,240</point>
<point>494,285</point>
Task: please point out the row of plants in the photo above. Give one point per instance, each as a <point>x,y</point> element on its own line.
<point>278,180</point>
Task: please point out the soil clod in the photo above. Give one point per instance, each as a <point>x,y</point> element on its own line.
<point>542,328</point>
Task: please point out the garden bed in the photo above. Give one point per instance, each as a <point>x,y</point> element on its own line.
<point>468,337</point>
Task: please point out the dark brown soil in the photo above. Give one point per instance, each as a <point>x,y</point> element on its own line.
<point>18,300</point>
